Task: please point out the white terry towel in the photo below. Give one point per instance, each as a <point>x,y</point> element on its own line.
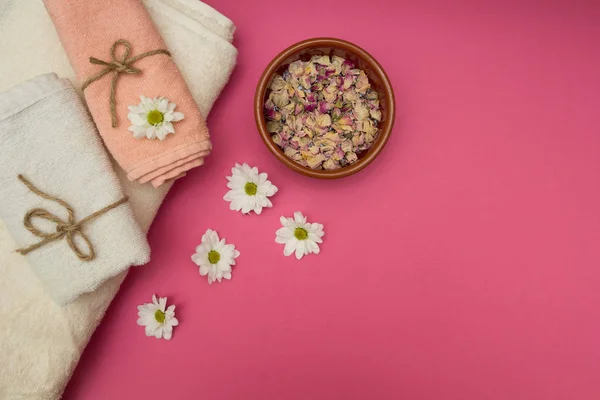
<point>40,342</point>
<point>47,136</point>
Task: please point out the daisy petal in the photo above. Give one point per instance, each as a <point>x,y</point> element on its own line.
<point>162,105</point>
<point>136,119</point>
<point>177,116</point>
<point>300,249</point>
<point>299,218</point>
<point>290,246</point>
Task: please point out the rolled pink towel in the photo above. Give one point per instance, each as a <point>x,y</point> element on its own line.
<point>154,128</point>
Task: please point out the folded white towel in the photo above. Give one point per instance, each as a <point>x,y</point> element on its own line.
<point>40,342</point>
<point>47,136</point>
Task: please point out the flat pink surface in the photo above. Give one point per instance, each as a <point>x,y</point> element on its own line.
<point>464,263</point>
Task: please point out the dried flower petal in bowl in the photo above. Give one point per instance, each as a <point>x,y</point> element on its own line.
<point>323,113</point>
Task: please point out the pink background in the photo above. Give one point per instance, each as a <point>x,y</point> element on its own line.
<point>462,264</point>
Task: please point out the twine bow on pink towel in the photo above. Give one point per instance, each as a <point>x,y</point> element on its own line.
<point>67,229</point>
<point>118,66</point>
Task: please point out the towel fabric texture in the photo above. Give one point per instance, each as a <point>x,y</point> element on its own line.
<point>47,136</point>
<point>90,28</point>
<point>41,342</point>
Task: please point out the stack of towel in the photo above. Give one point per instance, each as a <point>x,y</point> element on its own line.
<point>37,360</point>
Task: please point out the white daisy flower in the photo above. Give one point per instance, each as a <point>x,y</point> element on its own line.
<point>249,189</point>
<point>159,322</point>
<point>299,236</point>
<point>153,118</point>
<point>215,257</point>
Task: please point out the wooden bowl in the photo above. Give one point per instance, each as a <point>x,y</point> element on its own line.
<point>328,46</point>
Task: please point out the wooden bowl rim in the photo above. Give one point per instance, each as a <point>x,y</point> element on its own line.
<point>383,136</point>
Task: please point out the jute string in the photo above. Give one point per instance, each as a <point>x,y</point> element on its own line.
<point>67,229</point>
<point>118,66</point>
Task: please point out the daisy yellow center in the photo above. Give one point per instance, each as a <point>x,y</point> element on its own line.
<point>301,234</point>
<point>159,316</point>
<point>155,117</point>
<point>214,257</point>
<point>250,188</point>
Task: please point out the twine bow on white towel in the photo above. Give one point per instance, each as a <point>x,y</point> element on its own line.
<point>67,229</point>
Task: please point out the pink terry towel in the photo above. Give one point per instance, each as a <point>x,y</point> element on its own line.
<point>90,28</point>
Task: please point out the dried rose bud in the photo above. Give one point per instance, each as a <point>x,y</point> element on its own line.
<point>295,142</point>
<point>270,113</point>
<point>333,136</point>
<point>372,95</point>
<point>358,140</point>
<point>290,121</point>
<point>309,132</point>
<point>346,145</point>
<point>369,128</point>
<point>344,123</point>
<point>351,157</point>
<point>338,154</point>
<point>330,93</point>
<point>315,161</point>
<point>350,97</point>
<point>280,99</point>
<point>336,114</point>
<point>290,152</point>
<point>323,121</point>
<point>362,83</point>
<point>305,141</point>
<point>346,107</point>
<point>329,72</point>
<point>337,61</point>
<point>274,126</point>
<point>376,115</point>
<point>329,164</point>
<point>277,139</point>
<point>316,87</point>
<point>346,65</point>
<point>306,81</point>
<point>323,60</point>
<point>361,111</point>
<point>324,107</point>
<point>278,84</point>
<point>296,68</point>
<point>348,81</point>
<point>310,69</point>
<point>288,109</point>
<point>302,133</point>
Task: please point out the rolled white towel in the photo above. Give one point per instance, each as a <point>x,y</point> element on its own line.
<point>50,147</point>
